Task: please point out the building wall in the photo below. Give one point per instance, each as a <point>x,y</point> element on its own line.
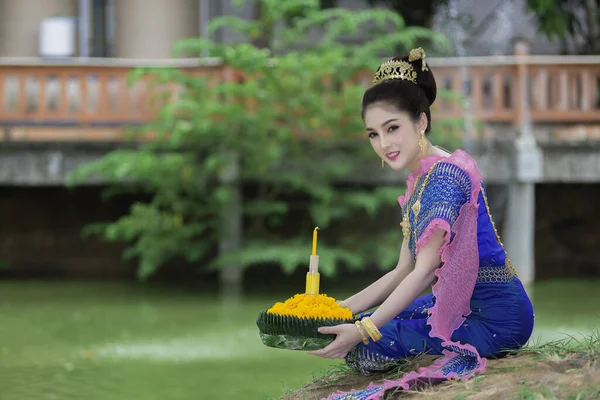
<point>20,23</point>
<point>149,28</point>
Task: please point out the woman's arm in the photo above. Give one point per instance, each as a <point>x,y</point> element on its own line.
<point>378,291</point>
<point>428,260</point>
<point>347,336</point>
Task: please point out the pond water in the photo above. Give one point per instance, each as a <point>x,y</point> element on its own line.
<point>124,341</point>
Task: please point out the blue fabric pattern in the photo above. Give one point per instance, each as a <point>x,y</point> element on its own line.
<point>462,364</point>
<point>446,190</point>
<point>363,394</point>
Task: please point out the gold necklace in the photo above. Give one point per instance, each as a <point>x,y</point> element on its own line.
<point>416,207</point>
<point>443,149</point>
<point>405,224</point>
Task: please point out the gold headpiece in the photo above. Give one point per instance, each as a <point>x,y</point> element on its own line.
<point>418,54</point>
<point>395,70</point>
<point>401,69</point>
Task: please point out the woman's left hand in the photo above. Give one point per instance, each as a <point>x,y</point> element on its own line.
<point>347,337</point>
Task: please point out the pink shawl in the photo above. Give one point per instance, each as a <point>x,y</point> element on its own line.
<point>453,289</point>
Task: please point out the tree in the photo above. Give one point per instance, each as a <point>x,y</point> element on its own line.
<point>284,128</point>
<point>574,22</point>
<point>414,12</point>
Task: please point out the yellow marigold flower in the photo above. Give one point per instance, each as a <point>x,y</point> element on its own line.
<point>303,305</point>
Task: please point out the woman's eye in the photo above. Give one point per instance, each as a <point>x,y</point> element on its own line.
<point>392,128</point>
<point>372,135</point>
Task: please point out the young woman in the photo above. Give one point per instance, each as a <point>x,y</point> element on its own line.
<point>478,307</point>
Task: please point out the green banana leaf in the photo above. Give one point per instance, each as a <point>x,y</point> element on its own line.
<point>295,333</point>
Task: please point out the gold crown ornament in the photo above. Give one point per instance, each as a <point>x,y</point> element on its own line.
<point>397,69</point>
<point>418,54</point>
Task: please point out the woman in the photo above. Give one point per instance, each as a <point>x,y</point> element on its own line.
<point>478,307</point>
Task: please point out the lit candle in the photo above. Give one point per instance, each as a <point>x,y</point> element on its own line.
<point>314,244</point>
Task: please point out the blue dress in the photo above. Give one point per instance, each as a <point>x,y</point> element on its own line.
<point>501,317</point>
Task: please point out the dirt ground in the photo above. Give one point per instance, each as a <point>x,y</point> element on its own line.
<point>523,376</point>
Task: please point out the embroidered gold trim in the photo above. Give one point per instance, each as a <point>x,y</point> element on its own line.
<point>508,262</point>
<point>494,275</point>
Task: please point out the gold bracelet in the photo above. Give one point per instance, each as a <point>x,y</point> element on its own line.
<point>371,329</point>
<point>361,332</point>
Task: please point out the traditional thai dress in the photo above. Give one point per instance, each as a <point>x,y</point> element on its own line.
<point>478,307</point>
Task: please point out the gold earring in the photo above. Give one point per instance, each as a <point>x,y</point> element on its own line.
<point>382,163</point>
<point>423,143</point>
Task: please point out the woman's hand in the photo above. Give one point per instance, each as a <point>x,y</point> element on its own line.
<point>347,337</point>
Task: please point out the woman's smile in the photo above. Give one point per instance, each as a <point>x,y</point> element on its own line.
<point>392,155</point>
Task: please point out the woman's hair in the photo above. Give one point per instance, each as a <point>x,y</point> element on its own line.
<point>412,91</point>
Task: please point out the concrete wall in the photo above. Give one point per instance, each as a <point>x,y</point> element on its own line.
<point>43,164</point>
<point>149,28</point>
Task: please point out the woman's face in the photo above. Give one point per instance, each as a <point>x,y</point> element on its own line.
<point>394,135</point>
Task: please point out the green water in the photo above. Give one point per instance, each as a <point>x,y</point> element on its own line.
<point>119,341</point>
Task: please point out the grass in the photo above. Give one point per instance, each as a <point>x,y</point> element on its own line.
<point>529,392</point>
<point>546,392</point>
<point>585,347</point>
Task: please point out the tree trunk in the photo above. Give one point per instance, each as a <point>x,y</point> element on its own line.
<point>231,233</point>
<point>265,34</point>
<point>591,12</point>
<point>232,213</point>
<point>564,46</point>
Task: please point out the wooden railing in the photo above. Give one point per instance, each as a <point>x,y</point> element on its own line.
<point>95,93</point>
<point>543,89</point>
<point>83,94</point>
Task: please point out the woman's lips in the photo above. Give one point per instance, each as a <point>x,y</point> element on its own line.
<point>393,155</point>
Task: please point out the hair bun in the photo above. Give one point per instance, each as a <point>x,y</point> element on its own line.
<point>425,78</point>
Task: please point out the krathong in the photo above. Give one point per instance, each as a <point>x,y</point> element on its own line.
<point>293,324</point>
